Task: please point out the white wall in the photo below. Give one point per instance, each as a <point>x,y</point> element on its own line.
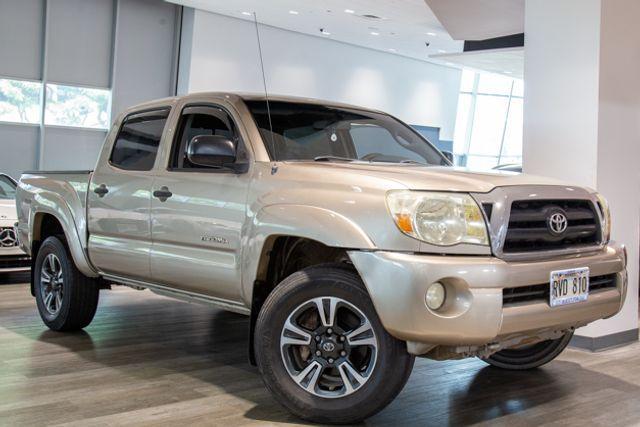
<point>79,52</point>
<point>581,114</point>
<point>224,57</point>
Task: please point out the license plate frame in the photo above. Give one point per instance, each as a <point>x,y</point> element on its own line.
<point>568,286</point>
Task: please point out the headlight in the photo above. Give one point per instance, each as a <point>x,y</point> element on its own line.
<point>606,215</point>
<point>442,219</point>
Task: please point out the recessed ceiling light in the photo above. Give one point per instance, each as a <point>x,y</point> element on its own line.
<point>431,33</point>
<point>450,64</point>
<point>373,33</point>
<point>293,12</point>
<point>324,32</point>
<point>349,11</point>
<point>247,13</point>
<point>391,50</point>
<point>442,51</point>
<point>508,72</point>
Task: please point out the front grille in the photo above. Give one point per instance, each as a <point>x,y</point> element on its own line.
<point>14,261</point>
<point>8,237</point>
<point>541,292</point>
<point>529,230</point>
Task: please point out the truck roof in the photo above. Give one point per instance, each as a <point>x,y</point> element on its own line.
<point>243,96</point>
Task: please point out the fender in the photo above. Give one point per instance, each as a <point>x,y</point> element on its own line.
<point>325,226</point>
<point>53,204</point>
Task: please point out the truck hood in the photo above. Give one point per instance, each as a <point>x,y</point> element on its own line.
<point>8,210</point>
<point>436,178</point>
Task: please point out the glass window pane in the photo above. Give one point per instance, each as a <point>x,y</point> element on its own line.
<point>494,84</point>
<point>462,122</point>
<point>138,140</point>
<point>481,163</point>
<point>466,83</point>
<point>77,106</point>
<point>513,134</point>
<point>518,87</point>
<point>7,188</point>
<point>515,160</point>
<point>488,125</point>
<point>20,101</point>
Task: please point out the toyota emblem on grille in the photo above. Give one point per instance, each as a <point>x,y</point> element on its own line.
<point>557,223</point>
<point>7,238</point>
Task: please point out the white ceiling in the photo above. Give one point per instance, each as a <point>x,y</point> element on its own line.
<point>479,19</point>
<point>508,61</point>
<point>402,27</point>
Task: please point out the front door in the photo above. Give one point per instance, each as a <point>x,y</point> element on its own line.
<point>120,197</point>
<point>197,218</point>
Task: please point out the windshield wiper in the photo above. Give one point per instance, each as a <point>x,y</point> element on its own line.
<point>332,158</point>
<point>413,162</point>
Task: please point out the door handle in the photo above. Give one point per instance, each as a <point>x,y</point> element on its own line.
<point>162,194</point>
<point>101,190</point>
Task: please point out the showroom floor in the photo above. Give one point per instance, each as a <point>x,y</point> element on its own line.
<point>149,360</point>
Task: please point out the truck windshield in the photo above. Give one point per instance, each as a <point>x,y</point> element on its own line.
<point>321,133</point>
<point>7,188</point>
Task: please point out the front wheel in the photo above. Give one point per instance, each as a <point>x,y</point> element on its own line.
<point>530,356</point>
<point>66,299</point>
<point>323,352</point>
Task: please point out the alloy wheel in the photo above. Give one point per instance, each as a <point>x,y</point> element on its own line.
<point>52,284</point>
<point>328,347</point>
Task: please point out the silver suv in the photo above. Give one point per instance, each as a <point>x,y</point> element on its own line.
<point>350,240</point>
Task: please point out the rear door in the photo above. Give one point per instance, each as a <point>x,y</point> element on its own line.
<point>197,229</point>
<point>119,199</point>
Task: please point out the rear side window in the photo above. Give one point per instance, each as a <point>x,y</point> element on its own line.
<point>138,140</point>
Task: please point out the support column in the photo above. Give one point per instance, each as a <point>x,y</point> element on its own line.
<point>582,121</point>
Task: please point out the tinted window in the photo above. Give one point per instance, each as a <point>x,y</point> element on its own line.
<point>307,131</point>
<point>197,121</point>
<point>7,188</point>
<point>137,143</point>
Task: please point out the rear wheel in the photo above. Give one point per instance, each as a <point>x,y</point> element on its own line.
<point>66,299</point>
<point>322,350</point>
<point>531,356</point>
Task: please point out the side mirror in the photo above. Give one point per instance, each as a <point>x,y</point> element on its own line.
<point>448,155</point>
<point>212,151</point>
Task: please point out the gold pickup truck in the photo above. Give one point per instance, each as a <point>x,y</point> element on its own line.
<point>350,241</point>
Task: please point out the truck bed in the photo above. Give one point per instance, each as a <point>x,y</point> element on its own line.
<point>62,194</point>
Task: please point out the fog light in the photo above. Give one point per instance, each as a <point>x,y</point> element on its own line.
<point>435,296</point>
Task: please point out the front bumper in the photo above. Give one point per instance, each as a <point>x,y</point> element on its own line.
<point>474,314</point>
<point>14,260</point>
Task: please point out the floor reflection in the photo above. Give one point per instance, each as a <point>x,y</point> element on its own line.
<point>146,355</point>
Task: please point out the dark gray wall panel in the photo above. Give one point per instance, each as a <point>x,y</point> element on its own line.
<point>80,38</point>
<point>21,38</point>
<point>144,52</point>
<point>69,148</point>
<point>18,148</point>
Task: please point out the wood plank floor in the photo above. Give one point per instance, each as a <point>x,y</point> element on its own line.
<point>149,360</point>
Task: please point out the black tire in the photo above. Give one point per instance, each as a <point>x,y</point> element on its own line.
<point>79,298</point>
<point>529,357</point>
<point>391,368</point>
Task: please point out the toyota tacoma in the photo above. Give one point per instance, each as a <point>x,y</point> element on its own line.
<point>351,242</point>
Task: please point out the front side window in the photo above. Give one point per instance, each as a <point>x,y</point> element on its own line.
<point>196,121</point>
<point>137,142</point>
<point>7,188</point>
<point>316,132</point>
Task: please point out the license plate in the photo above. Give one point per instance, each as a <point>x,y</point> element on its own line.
<point>568,286</point>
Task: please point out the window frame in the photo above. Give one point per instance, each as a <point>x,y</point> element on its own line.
<point>474,94</point>
<point>135,114</point>
<point>237,137</point>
